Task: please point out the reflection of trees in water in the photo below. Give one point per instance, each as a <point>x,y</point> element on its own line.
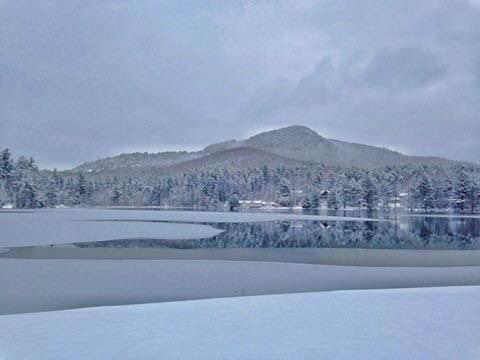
<point>409,233</point>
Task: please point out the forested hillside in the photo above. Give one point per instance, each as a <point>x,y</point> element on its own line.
<point>282,147</point>
<point>455,186</point>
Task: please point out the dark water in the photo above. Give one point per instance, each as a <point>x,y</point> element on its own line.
<point>403,232</point>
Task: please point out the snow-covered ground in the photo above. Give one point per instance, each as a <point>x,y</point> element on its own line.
<point>435,323</point>
<point>40,285</point>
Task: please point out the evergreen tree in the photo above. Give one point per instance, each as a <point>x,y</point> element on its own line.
<point>461,189</point>
<point>81,187</point>
<point>318,177</point>
<point>369,194</point>
<point>283,194</point>
<point>233,202</point>
<point>332,200</point>
<point>314,200</point>
<point>265,173</point>
<point>473,192</point>
<point>345,193</point>
<point>4,197</point>
<point>27,197</point>
<point>306,204</point>
<point>425,193</point>
<point>116,195</point>
<point>210,191</point>
<point>6,166</point>
<point>51,194</point>
<point>156,195</point>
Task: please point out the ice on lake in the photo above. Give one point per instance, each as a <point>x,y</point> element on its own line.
<point>370,252</point>
<point>202,229</point>
<point>61,227</point>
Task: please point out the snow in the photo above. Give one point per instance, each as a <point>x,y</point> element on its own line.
<point>436,323</point>
<point>41,285</point>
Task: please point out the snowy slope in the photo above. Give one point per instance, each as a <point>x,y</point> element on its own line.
<point>438,323</point>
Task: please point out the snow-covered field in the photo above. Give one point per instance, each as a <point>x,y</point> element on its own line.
<point>435,323</point>
<point>40,285</point>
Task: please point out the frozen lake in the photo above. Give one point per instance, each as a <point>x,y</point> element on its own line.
<point>127,229</point>
<point>70,258</point>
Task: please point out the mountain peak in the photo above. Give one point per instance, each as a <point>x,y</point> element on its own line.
<point>291,130</point>
<point>296,136</point>
<point>298,128</point>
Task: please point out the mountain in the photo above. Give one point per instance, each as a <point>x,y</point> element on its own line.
<point>304,144</point>
<point>134,160</point>
<point>290,146</point>
<point>242,157</point>
<point>239,157</point>
<point>294,142</point>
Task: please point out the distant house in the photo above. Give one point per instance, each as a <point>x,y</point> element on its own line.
<point>257,204</point>
<point>323,195</point>
<point>323,198</point>
<point>400,200</point>
<point>8,206</point>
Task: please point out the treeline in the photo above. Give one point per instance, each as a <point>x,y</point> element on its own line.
<point>457,187</point>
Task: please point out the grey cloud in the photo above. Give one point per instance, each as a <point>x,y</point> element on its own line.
<point>316,87</point>
<point>403,69</point>
<point>81,79</point>
<point>388,70</point>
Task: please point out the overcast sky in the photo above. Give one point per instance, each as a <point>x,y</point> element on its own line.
<point>89,78</point>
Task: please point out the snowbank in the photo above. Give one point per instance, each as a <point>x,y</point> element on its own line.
<point>439,323</point>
